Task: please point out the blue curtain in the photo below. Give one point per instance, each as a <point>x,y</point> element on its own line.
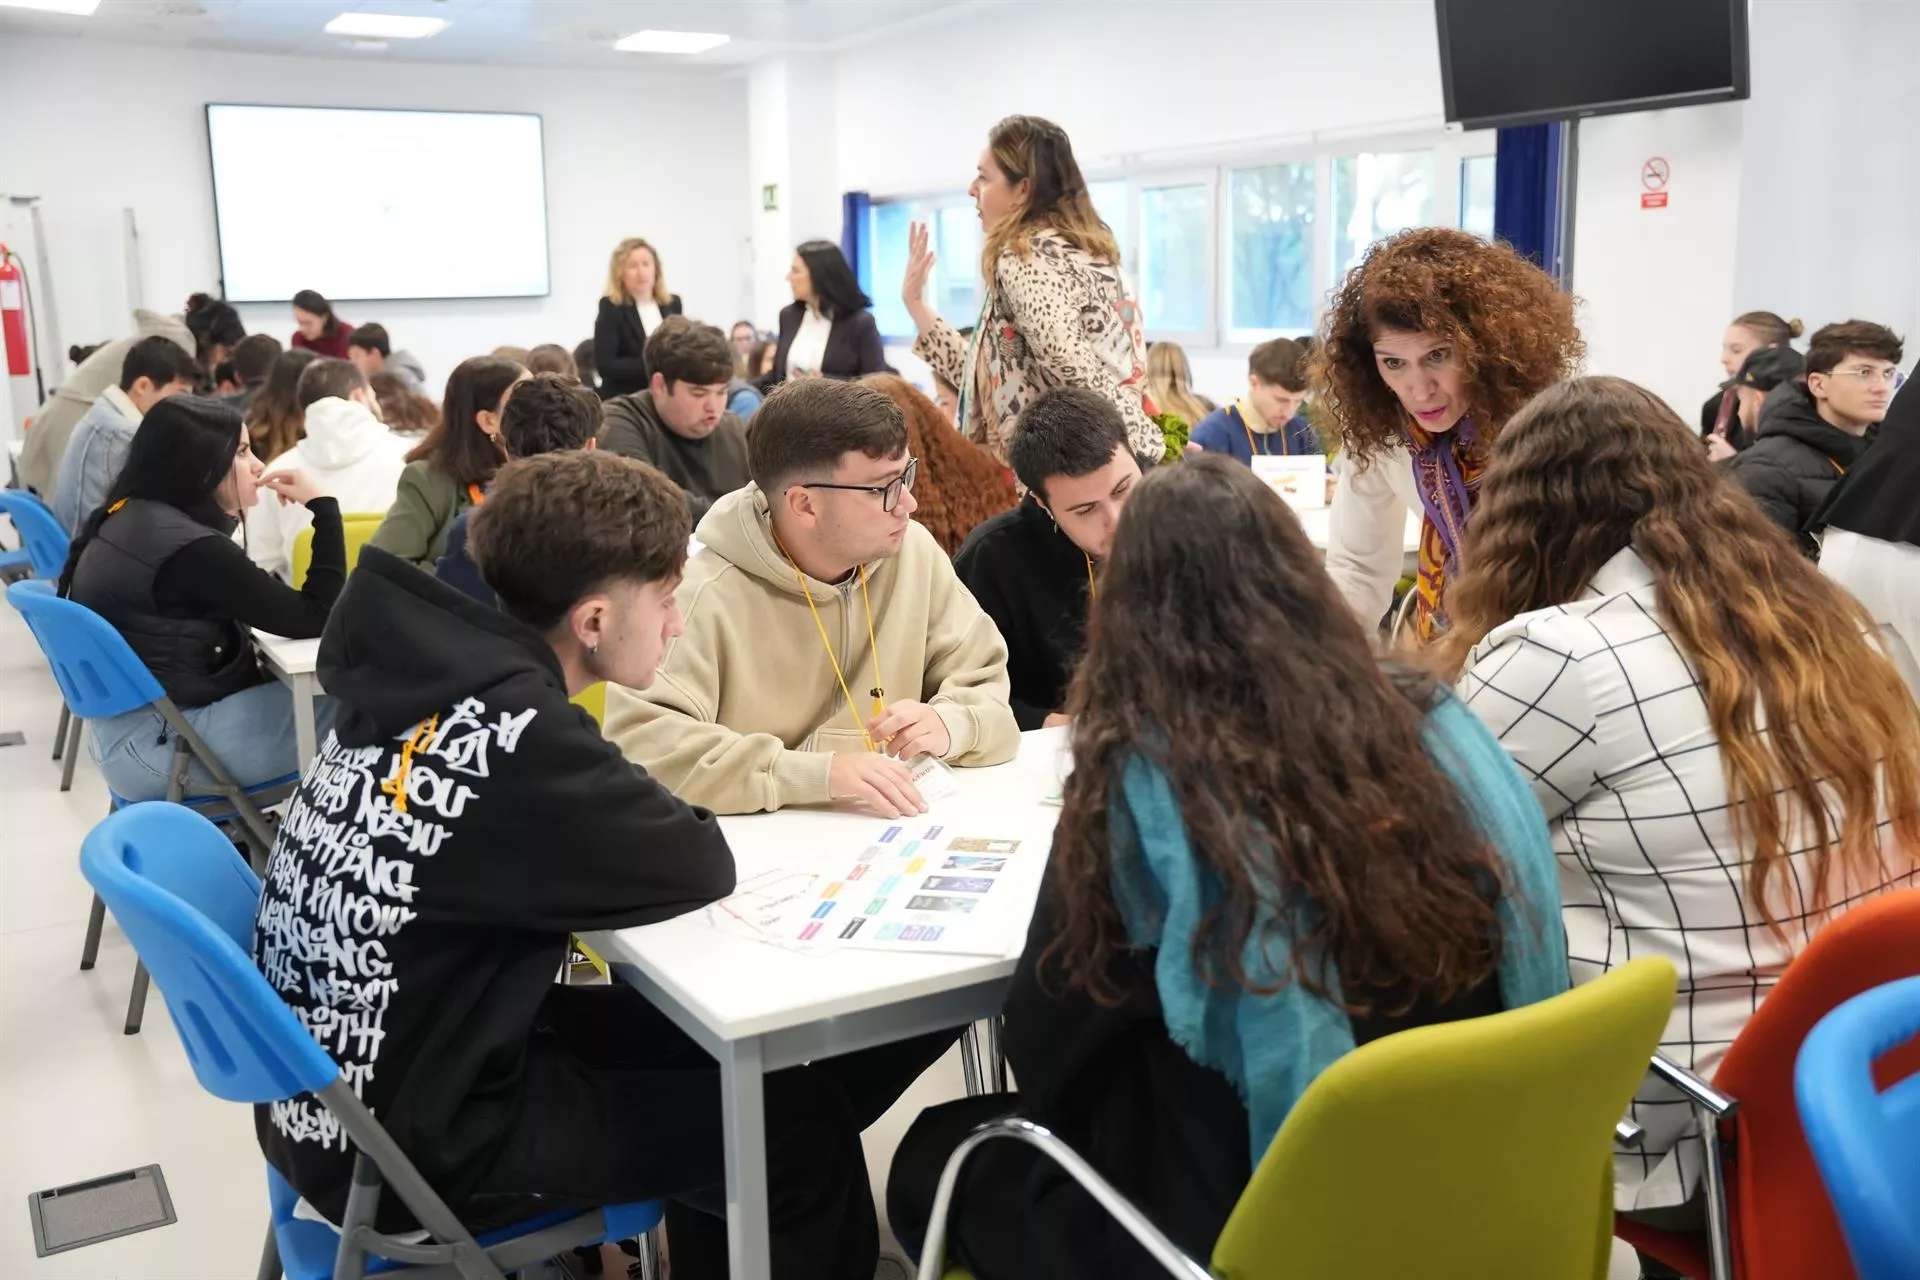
<point>854,207</point>
<point>1526,185</point>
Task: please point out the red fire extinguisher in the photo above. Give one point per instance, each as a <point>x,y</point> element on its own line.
<point>13,313</point>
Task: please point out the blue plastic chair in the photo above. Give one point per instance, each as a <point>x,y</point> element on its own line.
<point>42,538</point>
<point>1865,1140</point>
<point>188,901</point>
<point>43,553</point>
<point>101,676</point>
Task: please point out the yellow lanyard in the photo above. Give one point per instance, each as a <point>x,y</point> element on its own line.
<point>1093,592</point>
<point>873,646</point>
<point>396,786</point>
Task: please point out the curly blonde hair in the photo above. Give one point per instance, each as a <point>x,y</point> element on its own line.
<point>1510,326</point>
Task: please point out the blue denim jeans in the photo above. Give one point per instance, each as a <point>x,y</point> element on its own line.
<point>251,732</point>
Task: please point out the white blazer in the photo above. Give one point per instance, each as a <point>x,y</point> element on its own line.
<point>1885,577</point>
<point>1367,530</point>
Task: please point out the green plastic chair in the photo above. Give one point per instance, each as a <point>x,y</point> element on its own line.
<point>1463,1150</point>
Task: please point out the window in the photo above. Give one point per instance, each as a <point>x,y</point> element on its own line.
<point>1269,271</point>
<point>1476,196</point>
<point>954,289</point>
<point>1110,202</point>
<point>1375,195</point>
<point>1175,231</point>
<point>1221,258</point>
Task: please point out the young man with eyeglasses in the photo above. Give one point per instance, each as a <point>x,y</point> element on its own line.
<point>1032,568</point>
<point>1811,432</point>
<point>828,643</point>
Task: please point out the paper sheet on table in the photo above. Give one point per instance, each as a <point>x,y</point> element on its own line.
<point>917,887</point>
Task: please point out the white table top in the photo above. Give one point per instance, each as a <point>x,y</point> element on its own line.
<point>295,657</point>
<point>1318,524</point>
<point>737,987</point>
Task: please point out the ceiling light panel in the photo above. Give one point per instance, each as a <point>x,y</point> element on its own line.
<point>386,26</point>
<point>671,42</point>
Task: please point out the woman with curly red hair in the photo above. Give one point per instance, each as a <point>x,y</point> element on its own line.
<point>960,487</point>
<point>1431,344</point>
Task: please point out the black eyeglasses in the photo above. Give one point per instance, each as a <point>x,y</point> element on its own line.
<point>889,492</point>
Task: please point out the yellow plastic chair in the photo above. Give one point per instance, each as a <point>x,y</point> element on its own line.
<point>1468,1149</point>
<point>358,526</point>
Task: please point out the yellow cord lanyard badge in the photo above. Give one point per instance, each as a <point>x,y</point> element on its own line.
<point>1093,591</point>
<point>396,786</point>
<point>878,693</point>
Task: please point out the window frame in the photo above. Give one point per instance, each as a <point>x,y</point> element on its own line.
<point>1451,148</point>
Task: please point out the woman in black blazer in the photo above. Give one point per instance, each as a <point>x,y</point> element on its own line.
<point>830,321</point>
<point>635,303</point>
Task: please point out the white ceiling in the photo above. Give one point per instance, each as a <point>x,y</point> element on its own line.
<point>550,33</point>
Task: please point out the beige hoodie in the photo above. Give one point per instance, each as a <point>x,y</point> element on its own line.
<point>746,714</point>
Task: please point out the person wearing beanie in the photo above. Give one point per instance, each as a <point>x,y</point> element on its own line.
<point>158,561</point>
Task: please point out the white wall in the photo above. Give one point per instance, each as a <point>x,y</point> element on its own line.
<point>1131,82</point>
<point>791,148</point>
<point>1656,285</point>
<point>94,127</point>
<point>1830,173</point>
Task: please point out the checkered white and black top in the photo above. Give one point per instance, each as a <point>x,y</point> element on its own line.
<point>1607,718</point>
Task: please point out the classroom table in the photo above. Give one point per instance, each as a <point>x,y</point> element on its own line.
<point>292,663</point>
<point>757,1008</point>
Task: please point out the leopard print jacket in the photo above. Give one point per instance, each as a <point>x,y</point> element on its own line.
<point>1054,318</point>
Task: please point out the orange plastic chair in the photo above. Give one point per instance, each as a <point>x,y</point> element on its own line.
<point>1781,1224</point>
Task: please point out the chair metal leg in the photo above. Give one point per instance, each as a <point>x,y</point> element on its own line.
<point>137,1002</point>
<point>970,1060</point>
<point>270,1257</point>
<point>73,752</point>
<point>60,734</point>
<point>996,1057</point>
<point>95,918</point>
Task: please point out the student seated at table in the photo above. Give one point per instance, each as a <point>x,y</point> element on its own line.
<point>1235,742</point>
<point>1267,420</point>
<point>1033,568</point>
<point>449,471</point>
<point>547,413</point>
<point>681,423</point>
<point>157,559</point>
<point>154,369</point>
<point>345,447</point>
<point>500,821</point>
<point>828,641</point>
<point>1725,758</point>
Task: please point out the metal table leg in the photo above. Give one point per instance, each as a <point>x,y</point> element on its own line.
<point>304,739</point>
<point>743,1091</point>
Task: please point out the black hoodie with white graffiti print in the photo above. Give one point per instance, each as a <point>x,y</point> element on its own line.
<point>463,818</point>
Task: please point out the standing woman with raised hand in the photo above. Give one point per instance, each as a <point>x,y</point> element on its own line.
<point>1431,344</point>
<point>317,328</point>
<point>1058,312</point>
<point>450,470</point>
<point>828,329</point>
<point>636,301</point>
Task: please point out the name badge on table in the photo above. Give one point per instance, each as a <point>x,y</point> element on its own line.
<point>1301,479</point>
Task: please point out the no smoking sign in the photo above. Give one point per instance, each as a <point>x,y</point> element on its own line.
<point>1653,176</point>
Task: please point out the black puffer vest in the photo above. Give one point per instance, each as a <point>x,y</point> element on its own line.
<point>197,660</point>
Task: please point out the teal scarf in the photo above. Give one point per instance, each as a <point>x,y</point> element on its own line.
<point>1272,1046</point>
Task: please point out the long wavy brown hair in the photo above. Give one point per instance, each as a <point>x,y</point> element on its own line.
<point>275,420</point>
<point>1039,152</point>
<point>960,484</point>
<point>1510,327</point>
<point>1810,717</point>
<point>1309,792</point>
